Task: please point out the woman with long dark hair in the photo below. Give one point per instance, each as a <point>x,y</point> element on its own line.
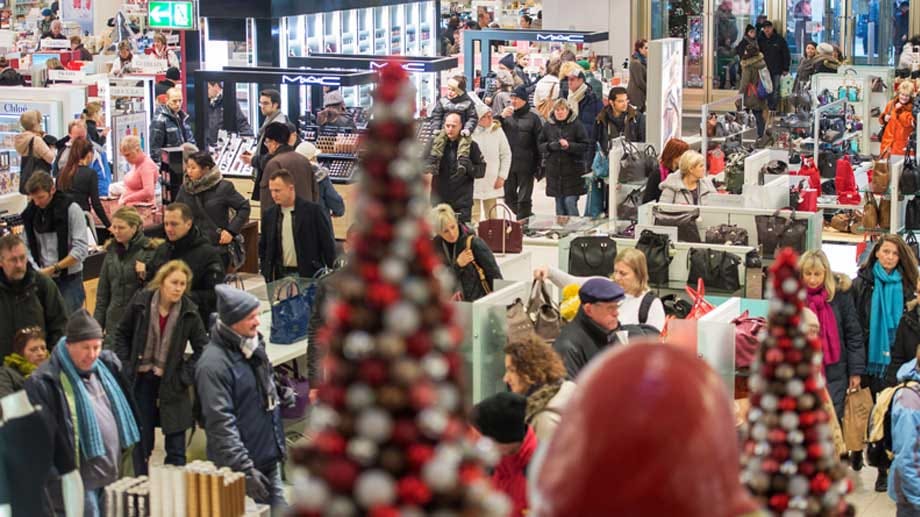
<point>79,181</point>
<point>884,284</point>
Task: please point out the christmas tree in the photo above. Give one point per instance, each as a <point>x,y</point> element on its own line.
<point>389,432</point>
<point>789,460</point>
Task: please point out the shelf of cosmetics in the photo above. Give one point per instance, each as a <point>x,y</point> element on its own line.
<point>198,489</point>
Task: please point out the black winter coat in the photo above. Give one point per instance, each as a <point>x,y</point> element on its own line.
<point>580,340</point>
<point>174,398</point>
<point>468,280</point>
<point>202,258</point>
<point>216,120</point>
<point>905,344</point>
<point>863,287</point>
<point>564,167</point>
<point>211,209</point>
<point>852,350</point>
<point>523,129</point>
<point>84,190</point>
<point>630,125</point>
<point>775,52</point>
<point>35,300</point>
<point>457,189</point>
<point>313,240</point>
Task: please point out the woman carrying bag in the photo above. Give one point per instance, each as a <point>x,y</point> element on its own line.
<point>563,145</point>
<point>151,341</point>
<point>467,256</point>
<point>219,210</point>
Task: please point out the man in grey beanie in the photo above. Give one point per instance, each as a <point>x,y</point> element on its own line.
<point>239,399</point>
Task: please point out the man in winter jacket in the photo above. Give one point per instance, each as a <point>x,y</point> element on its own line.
<point>453,183</point>
<point>587,106</point>
<point>239,400</point>
<point>904,474</point>
<point>594,327</point>
<point>270,106</point>
<point>27,297</point>
<point>216,114</point>
<point>169,129</point>
<point>522,127</point>
<point>501,418</point>
<point>775,52</point>
<point>282,156</point>
<point>618,119</point>
<point>185,242</point>
<point>459,102</point>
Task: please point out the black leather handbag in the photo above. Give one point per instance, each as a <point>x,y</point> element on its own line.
<point>775,231</point>
<point>629,207</point>
<point>911,240</point>
<point>909,183</point>
<point>718,269</point>
<point>657,250</point>
<point>636,165</point>
<point>827,164</point>
<point>912,214</point>
<point>687,231</point>
<point>592,255</point>
<point>727,234</point>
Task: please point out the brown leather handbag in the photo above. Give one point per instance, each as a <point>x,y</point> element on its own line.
<point>870,213</point>
<point>846,222</point>
<point>881,174</point>
<point>884,213</point>
<point>502,235</point>
<point>547,322</point>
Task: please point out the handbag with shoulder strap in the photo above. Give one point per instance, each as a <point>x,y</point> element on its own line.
<point>687,231</point>
<point>482,274</point>
<point>544,314</point>
<point>776,232</point>
<point>881,174</point>
<point>592,255</point>
<point>236,248</point>
<point>502,235</point>
<point>29,165</point>
<point>717,269</point>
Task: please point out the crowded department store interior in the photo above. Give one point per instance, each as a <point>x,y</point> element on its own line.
<point>479,257</point>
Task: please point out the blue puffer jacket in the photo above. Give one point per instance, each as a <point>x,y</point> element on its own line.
<point>904,475</point>
<point>168,129</point>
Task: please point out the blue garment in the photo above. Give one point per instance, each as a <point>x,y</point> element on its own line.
<point>104,171</point>
<point>887,306</point>
<point>88,431</point>
<point>329,199</point>
<point>904,474</point>
<point>641,58</point>
<point>567,205</point>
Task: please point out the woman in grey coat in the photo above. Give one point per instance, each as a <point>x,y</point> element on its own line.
<point>118,280</point>
<point>689,185</point>
<point>638,75</point>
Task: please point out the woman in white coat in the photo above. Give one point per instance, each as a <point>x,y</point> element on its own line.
<point>497,153</point>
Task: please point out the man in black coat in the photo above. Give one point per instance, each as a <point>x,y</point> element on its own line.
<point>216,114</point>
<point>776,55</point>
<point>454,185</point>
<point>297,238</point>
<point>522,128</point>
<point>594,327</point>
<point>185,242</point>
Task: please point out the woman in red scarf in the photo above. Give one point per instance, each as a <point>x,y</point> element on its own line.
<point>829,296</point>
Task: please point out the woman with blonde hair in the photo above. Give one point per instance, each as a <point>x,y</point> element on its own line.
<point>150,341</point>
<point>689,185</point>
<point>466,255</point>
<point>630,271</point>
<point>829,295</point>
<point>118,278</point>
<point>897,119</point>
<point>534,370</point>
<point>139,185</point>
<point>93,116</point>
<point>31,143</point>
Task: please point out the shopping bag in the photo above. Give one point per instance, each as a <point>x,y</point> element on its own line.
<point>290,313</point>
<point>856,411</point>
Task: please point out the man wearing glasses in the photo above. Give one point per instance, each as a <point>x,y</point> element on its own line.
<point>270,106</point>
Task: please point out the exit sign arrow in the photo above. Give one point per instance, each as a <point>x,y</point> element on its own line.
<point>159,11</point>
<point>165,14</point>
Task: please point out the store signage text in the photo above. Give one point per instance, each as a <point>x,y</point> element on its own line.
<point>9,107</point>
<point>567,38</point>
<point>311,79</point>
<point>409,66</point>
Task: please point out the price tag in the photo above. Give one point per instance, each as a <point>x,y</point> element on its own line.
<point>127,91</point>
<point>56,43</point>
<point>65,75</point>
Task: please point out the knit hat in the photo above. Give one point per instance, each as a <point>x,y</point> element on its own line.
<point>504,77</point>
<point>825,49</point>
<point>46,12</point>
<point>482,109</point>
<point>278,131</point>
<point>508,61</point>
<point>172,73</point>
<point>584,63</point>
<point>82,327</point>
<point>332,98</point>
<point>520,92</point>
<point>501,417</point>
<point>454,85</point>
<point>233,304</point>
<point>600,290</point>
<point>307,150</point>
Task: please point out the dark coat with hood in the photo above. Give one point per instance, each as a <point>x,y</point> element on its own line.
<point>216,119</point>
<point>580,340</point>
<point>744,44</point>
<point>630,125</point>
<point>212,200</point>
<point>168,129</point>
<point>118,280</point>
<point>564,167</point>
<point>463,105</point>
<point>637,87</point>
<point>750,75</point>
<point>826,65</point>
<point>204,261</point>
<point>522,129</point>
<point>34,301</point>
<point>863,287</point>
<point>589,108</point>
<point>905,342</point>
<point>775,52</point>
<point>468,281</point>
<point>174,397</point>
<point>313,239</point>
<point>852,351</point>
<point>454,188</point>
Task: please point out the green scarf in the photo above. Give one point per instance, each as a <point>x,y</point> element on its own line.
<point>19,363</point>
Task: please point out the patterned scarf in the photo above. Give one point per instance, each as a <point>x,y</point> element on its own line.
<point>887,306</point>
<point>539,398</point>
<point>156,351</point>
<point>88,433</point>
<point>20,364</point>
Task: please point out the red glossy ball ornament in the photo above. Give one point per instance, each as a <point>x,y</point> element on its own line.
<point>770,466</point>
<point>370,273</point>
<point>341,312</point>
<point>419,454</point>
<point>329,442</point>
<point>404,432</point>
<point>422,395</point>
<point>774,356</point>
<point>807,468</point>
<point>412,490</point>
<point>787,404</point>
<point>776,436</point>
<point>340,473</point>
<point>779,502</point>
<point>373,371</point>
<point>808,418</point>
<point>820,483</point>
<point>382,294</point>
<point>419,344</point>
<point>469,473</point>
<point>780,453</point>
<point>794,356</point>
<point>383,511</point>
<point>332,395</point>
<point>784,342</point>
<point>815,451</point>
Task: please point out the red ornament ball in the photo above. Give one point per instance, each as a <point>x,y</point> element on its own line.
<point>820,483</point>
<point>779,502</point>
<point>419,454</point>
<point>383,511</point>
<point>329,442</point>
<point>373,371</point>
<point>774,356</point>
<point>340,474</point>
<point>413,491</point>
<point>404,432</point>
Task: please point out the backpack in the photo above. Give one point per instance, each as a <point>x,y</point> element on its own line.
<point>879,450</point>
<point>645,305</point>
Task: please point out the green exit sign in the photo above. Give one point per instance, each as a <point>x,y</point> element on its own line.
<point>171,15</point>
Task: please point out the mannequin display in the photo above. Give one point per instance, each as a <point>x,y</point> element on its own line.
<point>24,436</point>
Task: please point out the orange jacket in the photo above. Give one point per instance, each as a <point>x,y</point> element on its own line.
<point>899,127</point>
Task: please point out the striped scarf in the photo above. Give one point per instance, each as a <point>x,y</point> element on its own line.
<point>88,433</point>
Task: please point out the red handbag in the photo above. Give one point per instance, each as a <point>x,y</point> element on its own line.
<point>502,235</point>
<point>810,170</point>
<point>849,198</point>
<point>715,161</point>
<point>746,342</point>
<point>682,331</point>
<point>808,200</point>
<point>844,178</point>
